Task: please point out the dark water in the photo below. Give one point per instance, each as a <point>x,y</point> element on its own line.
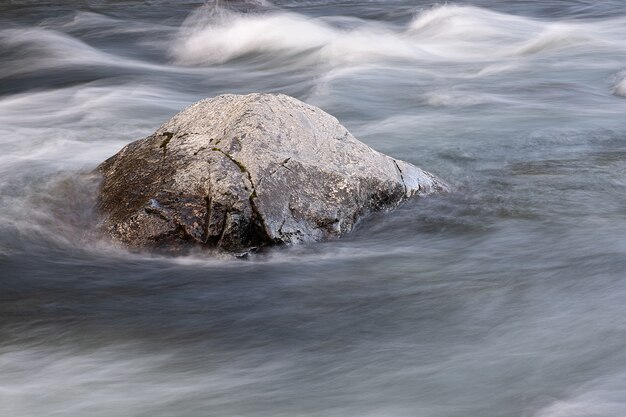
<point>505,298</point>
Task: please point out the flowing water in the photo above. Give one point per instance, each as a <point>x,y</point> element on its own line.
<point>504,298</point>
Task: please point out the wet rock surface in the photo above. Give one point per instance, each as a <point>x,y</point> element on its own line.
<point>236,172</point>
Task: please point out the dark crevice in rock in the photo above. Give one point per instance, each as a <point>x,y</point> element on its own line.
<point>241,167</point>
<point>257,217</point>
<point>284,164</point>
<point>207,220</point>
<point>220,240</point>
<point>280,229</point>
<point>401,176</point>
<point>168,137</point>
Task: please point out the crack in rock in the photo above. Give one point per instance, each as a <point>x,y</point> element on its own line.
<point>253,194</point>
<point>406,191</point>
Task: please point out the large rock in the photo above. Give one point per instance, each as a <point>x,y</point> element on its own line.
<point>237,172</point>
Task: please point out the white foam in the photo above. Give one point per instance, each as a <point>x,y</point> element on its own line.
<point>604,397</point>
<point>451,98</point>
<point>48,50</point>
<point>466,32</point>
<point>116,380</point>
<point>620,87</point>
<point>556,37</point>
<point>209,37</point>
<point>53,50</point>
<point>449,32</point>
<point>39,123</point>
<point>214,38</point>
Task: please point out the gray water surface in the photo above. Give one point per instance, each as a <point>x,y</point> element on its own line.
<point>504,298</point>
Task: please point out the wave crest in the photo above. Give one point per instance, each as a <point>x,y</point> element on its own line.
<point>452,33</point>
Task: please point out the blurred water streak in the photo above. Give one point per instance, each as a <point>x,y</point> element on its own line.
<point>504,298</point>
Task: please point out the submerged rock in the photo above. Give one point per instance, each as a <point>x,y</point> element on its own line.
<point>236,172</point>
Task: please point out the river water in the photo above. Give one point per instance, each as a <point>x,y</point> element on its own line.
<point>503,298</point>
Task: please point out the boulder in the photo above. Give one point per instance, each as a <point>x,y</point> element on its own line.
<point>237,172</point>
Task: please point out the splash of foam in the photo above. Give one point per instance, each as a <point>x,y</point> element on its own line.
<point>601,398</point>
<point>449,32</point>
<point>620,87</point>
<point>233,36</point>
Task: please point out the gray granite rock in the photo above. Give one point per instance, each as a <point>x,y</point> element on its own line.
<point>236,172</point>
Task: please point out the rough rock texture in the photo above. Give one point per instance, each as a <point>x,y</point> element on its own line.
<point>237,172</point>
